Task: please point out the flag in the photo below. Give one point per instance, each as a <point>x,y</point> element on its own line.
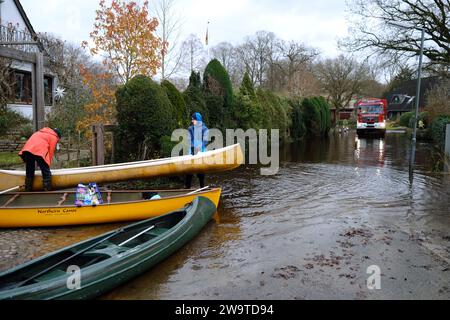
<point>206,38</point>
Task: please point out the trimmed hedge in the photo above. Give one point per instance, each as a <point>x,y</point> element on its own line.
<point>405,119</point>
<point>438,127</point>
<point>298,127</point>
<point>178,103</point>
<point>316,113</point>
<point>144,116</point>
<point>247,109</point>
<point>218,93</point>
<point>194,98</point>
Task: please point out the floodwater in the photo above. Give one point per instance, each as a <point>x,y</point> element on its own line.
<point>337,207</point>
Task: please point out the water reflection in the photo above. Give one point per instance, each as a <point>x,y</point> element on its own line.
<point>369,151</point>
<point>270,225</point>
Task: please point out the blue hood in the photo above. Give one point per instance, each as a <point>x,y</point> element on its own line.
<point>197,116</point>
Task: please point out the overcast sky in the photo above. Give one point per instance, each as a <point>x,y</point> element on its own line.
<point>317,23</point>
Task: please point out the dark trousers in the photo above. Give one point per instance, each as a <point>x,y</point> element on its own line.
<point>30,163</point>
<point>201,179</point>
<point>201,176</point>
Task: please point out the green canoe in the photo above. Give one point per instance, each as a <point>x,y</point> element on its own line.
<point>92,267</point>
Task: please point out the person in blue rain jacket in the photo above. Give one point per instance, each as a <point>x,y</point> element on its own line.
<point>198,139</point>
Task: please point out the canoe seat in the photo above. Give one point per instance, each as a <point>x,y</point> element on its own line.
<point>106,248</point>
<point>157,232</point>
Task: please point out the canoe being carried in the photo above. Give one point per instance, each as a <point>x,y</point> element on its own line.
<point>57,208</point>
<point>106,261</point>
<point>224,159</point>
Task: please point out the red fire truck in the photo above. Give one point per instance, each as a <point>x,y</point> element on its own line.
<point>372,114</point>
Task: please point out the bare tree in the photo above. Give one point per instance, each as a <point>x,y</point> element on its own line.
<point>169,31</point>
<point>228,56</point>
<point>6,81</point>
<point>193,58</point>
<point>256,53</point>
<point>342,78</point>
<point>377,27</point>
<point>294,59</point>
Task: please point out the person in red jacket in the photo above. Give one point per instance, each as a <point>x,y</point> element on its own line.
<point>40,148</point>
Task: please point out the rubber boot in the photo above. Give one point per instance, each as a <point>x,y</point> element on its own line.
<point>28,184</point>
<point>47,184</point>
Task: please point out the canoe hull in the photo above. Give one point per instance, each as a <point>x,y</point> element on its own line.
<point>223,159</point>
<point>112,272</point>
<point>107,213</point>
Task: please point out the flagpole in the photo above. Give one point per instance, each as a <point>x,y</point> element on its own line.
<point>207,41</point>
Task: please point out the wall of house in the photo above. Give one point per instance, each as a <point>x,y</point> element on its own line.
<point>10,14</point>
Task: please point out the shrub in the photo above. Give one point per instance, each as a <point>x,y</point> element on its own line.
<point>438,100</point>
<point>274,111</point>
<point>438,127</point>
<point>144,114</point>
<point>247,111</point>
<point>218,93</point>
<point>405,119</point>
<point>423,116</point>
<point>178,103</point>
<point>316,115</point>
<point>10,119</point>
<point>298,127</point>
<point>194,99</point>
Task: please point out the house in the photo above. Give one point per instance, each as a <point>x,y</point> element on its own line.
<point>15,27</point>
<point>346,113</point>
<point>402,99</point>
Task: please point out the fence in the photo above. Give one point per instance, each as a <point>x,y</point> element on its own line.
<point>11,33</point>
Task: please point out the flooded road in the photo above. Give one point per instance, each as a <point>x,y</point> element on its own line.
<point>336,207</point>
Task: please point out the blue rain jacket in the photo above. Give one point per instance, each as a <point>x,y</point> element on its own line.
<point>198,135</point>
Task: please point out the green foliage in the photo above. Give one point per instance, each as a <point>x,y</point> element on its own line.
<point>298,128</point>
<point>247,88</point>
<point>178,103</point>
<point>275,112</point>
<point>194,98</point>
<point>8,159</point>
<point>423,119</point>
<point>145,114</point>
<point>218,93</point>
<point>65,114</point>
<point>316,113</point>
<point>10,119</point>
<point>247,110</point>
<point>438,127</point>
<point>406,118</point>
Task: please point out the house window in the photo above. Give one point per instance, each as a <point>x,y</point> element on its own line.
<point>22,87</point>
<point>23,91</point>
<point>48,90</point>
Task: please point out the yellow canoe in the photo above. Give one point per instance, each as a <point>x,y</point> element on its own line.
<point>224,159</point>
<point>57,208</point>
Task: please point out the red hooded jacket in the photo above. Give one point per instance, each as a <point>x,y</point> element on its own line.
<point>42,143</point>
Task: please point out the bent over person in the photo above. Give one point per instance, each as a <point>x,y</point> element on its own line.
<point>40,148</point>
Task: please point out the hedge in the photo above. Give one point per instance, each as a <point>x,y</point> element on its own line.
<point>438,127</point>
<point>144,116</point>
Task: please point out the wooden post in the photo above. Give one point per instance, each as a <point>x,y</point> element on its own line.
<point>98,145</point>
<point>78,149</point>
<point>112,147</point>
<point>38,92</point>
<point>94,145</point>
<point>68,148</point>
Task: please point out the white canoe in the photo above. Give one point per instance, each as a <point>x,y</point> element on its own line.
<point>223,159</point>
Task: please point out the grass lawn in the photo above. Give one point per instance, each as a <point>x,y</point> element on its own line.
<point>8,159</point>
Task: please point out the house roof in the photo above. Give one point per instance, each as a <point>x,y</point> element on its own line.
<point>28,24</point>
<point>402,97</point>
<point>25,18</point>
